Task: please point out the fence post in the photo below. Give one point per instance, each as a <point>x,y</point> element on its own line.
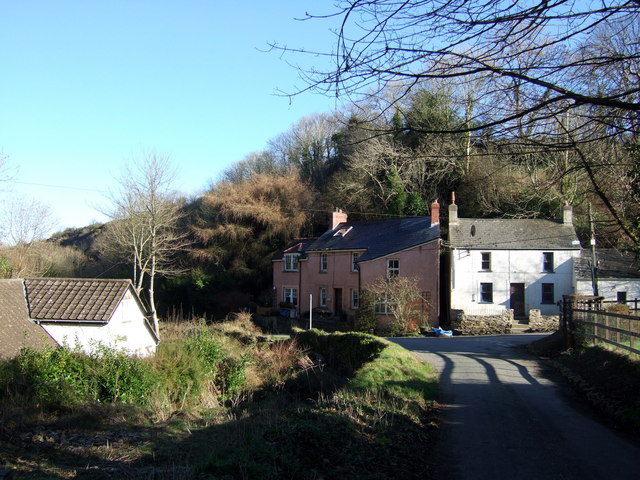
<point>567,322</point>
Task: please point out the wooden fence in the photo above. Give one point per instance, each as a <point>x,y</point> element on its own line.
<point>584,321</point>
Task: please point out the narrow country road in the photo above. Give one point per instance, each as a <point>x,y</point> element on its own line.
<point>504,419</point>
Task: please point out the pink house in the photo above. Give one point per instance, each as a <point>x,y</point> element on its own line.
<point>328,273</point>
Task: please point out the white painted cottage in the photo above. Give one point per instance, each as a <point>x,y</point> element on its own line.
<point>82,313</point>
<point>617,273</point>
<point>519,264</point>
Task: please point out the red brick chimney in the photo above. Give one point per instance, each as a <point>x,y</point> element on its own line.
<point>435,213</point>
<point>337,217</point>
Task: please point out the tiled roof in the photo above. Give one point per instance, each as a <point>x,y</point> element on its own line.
<point>16,330</point>
<point>512,234</point>
<point>85,300</point>
<point>378,238</point>
<point>611,263</point>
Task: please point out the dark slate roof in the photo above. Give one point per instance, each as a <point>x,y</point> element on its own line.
<point>298,245</point>
<point>16,330</point>
<point>512,234</point>
<point>69,299</point>
<point>378,238</point>
<point>611,263</point>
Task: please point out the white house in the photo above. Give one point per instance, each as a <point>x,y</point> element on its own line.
<point>519,264</point>
<point>82,313</point>
<point>617,273</point>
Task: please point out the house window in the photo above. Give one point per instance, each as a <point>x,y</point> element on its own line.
<point>323,262</point>
<point>486,261</point>
<point>622,297</point>
<point>486,292</point>
<point>290,296</point>
<point>547,262</point>
<point>393,268</point>
<point>290,262</point>
<point>547,293</point>
<point>383,305</point>
<point>323,297</point>
<point>355,299</point>
<point>354,258</point>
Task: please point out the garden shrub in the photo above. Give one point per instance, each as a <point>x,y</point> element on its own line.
<point>365,319</point>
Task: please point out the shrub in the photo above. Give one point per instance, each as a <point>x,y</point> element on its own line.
<point>200,368</point>
<point>365,319</point>
<point>344,351</point>
<point>61,377</point>
<point>121,378</point>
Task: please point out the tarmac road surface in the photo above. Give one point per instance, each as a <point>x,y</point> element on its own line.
<point>505,418</point>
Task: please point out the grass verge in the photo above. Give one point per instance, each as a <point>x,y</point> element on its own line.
<point>610,381</point>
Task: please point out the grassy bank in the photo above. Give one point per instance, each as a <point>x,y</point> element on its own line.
<point>610,381</point>
<point>314,406</point>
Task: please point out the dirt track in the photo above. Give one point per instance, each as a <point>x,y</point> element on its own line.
<point>506,418</point>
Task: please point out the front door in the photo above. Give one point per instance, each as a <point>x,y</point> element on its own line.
<point>516,299</point>
<point>337,300</point>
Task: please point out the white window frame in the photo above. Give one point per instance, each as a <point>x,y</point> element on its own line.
<point>480,294</point>
<point>354,258</point>
<point>355,299</point>
<point>290,295</point>
<point>324,262</point>
<point>553,293</point>
<point>382,305</point>
<point>488,261</point>
<point>291,262</point>
<point>393,267</point>
<point>323,297</point>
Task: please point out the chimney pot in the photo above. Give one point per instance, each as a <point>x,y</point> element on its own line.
<point>567,215</point>
<point>453,210</point>
<point>435,213</point>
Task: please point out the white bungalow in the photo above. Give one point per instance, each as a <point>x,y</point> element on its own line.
<point>83,313</point>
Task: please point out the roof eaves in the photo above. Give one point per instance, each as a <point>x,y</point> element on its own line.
<point>386,254</point>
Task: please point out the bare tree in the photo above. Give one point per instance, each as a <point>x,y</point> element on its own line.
<point>146,223</point>
<point>536,53</point>
<point>402,298</point>
<point>25,222</point>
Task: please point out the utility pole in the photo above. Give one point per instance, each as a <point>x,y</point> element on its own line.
<point>594,268</point>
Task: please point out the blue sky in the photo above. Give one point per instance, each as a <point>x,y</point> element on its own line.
<point>88,85</point>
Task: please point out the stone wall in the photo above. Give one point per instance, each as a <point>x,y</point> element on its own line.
<point>542,323</point>
<point>463,324</point>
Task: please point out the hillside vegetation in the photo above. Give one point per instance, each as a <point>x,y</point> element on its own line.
<point>371,162</point>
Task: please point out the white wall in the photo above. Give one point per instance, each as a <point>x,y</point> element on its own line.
<point>508,266</point>
<point>609,288</point>
<point>125,331</point>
